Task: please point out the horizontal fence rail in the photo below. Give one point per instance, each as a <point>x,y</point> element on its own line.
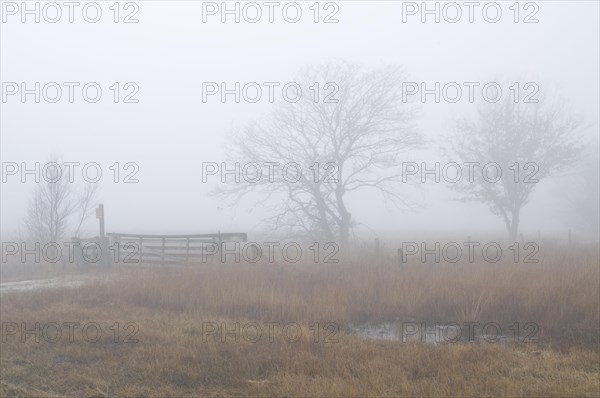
<point>169,249</point>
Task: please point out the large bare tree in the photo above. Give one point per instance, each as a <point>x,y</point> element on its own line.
<point>353,129</point>
<point>526,142</point>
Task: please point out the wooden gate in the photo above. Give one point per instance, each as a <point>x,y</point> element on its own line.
<point>169,249</point>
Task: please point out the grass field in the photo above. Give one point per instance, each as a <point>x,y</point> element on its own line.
<point>177,333</point>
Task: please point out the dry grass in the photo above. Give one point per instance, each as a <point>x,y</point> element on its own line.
<point>171,359</point>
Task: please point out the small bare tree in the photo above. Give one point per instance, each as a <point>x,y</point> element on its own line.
<point>85,205</point>
<point>524,142</point>
<point>349,130</point>
<point>55,203</point>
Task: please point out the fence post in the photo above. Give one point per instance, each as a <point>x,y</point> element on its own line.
<point>220,245</point>
<point>104,242</point>
<point>100,216</point>
<point>116,241</point>
<point>400,259</point>
<point>187,250</point>
<point>140,248</point>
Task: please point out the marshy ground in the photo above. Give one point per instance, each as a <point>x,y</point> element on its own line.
<point>291,330</point>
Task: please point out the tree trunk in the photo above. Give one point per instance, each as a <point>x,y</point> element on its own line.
<point>513,228</point>
<point>345,230</point>
<point>345,217</point>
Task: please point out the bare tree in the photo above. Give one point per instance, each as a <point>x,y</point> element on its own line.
<point>348,130</point>
<point>55,203</point>
<point>524,142</point>
<point>85,205</point>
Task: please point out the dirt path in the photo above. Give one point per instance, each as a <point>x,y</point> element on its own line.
<point>36,284</point>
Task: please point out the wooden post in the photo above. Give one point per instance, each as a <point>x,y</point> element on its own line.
<point>103,241</point>
<point>220,246</point>
<point>140,250</point>
<point>116,241</point>
<point>100,216</point>
<point>187,250</point>
<point>162,252</point>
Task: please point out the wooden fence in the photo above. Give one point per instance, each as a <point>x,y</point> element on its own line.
<point>169,249</point>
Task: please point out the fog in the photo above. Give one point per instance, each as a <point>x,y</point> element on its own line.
<point>311,198</point>
<point>170,132</point>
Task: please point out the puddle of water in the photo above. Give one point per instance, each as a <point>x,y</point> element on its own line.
<point>414,332</point>
<point>383,331</point>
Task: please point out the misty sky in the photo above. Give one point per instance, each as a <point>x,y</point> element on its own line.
<point>170,132</point>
